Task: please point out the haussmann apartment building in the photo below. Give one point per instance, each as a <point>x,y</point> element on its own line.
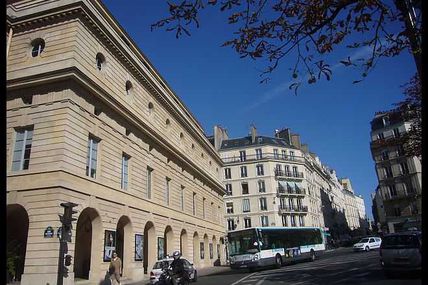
<point>90,121</point>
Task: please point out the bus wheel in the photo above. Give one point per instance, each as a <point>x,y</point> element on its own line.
<point>278,261</point>
<point>312,255</point>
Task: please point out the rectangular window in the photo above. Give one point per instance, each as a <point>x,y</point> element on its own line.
<point>259,154</point>
<point>404,168</point>
<point>91,163</point>
<point>284,154</point>
<point>247,222</point>
<point>388,172</point>
<point>392,190</point>
<point>229,207</point>
<point>229,189</point>
<point>293,220</point>
<point>194,204</point>
<point>262,186</point>
<point>182,197</point>
<point>284,221</point>
<point>380,136</point>
<point>230,224</point>
<point>22,151</point>
<point>301,221</point>
<point>243,171</point>
<point>396,133</point>
<point>291,155</point>
<point>263,204</point>
<point>400,150</point>
<point>211,251</point>
<point>265,221</point>
<point>246,205</point>
<point>167,181</point>
<point>124,176</point>
<point>149,182</point>
<point>244,188</point>
<point>385,155</point>
<point>203,207</point>
<point>287,170</point>
<point>295,173</point>
<point>275,153</point>
<point>227,173</point>
<point>242,155</point>
<point>259,169</point>
<point>278,170</point>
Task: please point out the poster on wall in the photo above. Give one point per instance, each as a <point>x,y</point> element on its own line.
<point>202,250</point>
<point>109,244</point>
<point>161,246</point>
<point>139,246</point>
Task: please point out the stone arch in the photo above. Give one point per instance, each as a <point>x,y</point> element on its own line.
<point>196,248</point>
<point>125,244</point>
<point>169,241</point>
<point>150,246</point>
<point>16,237</point>
<point>184,249</point>
<point>87,245</point>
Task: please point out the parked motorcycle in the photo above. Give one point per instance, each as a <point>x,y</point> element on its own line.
<point>168,277</point>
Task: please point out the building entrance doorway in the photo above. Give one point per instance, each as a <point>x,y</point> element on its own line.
<point>83,250</point>
<point>16,237</point>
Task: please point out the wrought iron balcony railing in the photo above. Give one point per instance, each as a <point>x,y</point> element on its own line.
<point>280,173</point>
<point>288,191</point>
<point>295,209</point>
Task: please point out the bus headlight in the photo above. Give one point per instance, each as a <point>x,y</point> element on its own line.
<point>255,257</point>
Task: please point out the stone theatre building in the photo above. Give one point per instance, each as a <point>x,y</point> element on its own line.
<point>91,121</point>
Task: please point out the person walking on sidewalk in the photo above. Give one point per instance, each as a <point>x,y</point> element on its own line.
<point>115,269</point>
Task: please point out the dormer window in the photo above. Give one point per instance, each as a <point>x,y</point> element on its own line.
<point>385,121</point>
<point>38,45</point>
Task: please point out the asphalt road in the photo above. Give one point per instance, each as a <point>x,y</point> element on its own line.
<point>341,266</point>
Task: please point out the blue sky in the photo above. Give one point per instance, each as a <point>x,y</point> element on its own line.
<point>332,117</point>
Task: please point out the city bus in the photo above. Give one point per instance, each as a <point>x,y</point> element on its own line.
<point>265,246</point>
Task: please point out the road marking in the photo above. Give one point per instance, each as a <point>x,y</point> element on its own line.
<point>243,278</point>
<point>260,282</point>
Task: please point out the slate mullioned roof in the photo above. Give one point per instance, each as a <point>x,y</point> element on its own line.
<point>259,141</point>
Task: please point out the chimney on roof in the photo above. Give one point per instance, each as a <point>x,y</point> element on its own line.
<point>220,135</point>
<point>284,134</point>
<point>295,140</point>
<point>305,148</point>
<point>253,133</point>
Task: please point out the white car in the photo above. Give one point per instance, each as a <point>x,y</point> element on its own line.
<point>367,244</point>
<point>156,272</point>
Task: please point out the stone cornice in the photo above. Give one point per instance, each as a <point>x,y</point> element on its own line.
<point>75,74</point>
<point>129,55</point>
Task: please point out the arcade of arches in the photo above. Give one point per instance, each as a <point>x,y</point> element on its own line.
<point>138,247</point>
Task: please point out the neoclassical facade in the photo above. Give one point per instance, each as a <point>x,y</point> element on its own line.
<point>90,121</point>
<point>277,181</point>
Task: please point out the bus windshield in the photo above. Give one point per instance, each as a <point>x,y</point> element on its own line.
<point>243,242</point>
